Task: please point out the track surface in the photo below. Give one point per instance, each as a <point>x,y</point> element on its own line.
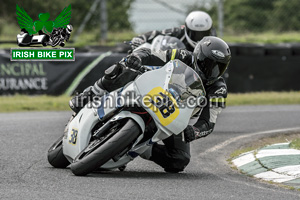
<point>26,174</point>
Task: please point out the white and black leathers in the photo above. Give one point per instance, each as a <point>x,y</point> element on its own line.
<point>178,32</point>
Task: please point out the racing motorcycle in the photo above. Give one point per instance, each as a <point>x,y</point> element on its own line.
<point>161,42</point>
<point>106,135</point>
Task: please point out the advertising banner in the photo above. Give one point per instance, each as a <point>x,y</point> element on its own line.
<point>53,77</point>
<point>35,77</point>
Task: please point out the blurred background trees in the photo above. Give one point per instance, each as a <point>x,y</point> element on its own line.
<point>126,18</point>
<point>116,9</point>
<point>257,15</point>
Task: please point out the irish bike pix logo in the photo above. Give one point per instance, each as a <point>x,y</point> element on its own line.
<point>41,33</point>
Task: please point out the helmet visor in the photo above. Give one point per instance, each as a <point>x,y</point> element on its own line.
<point>198,35</point>
<point>211,68</point>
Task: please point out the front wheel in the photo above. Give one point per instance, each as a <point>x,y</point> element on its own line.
<point>98,152</point>
<point>56,158</point>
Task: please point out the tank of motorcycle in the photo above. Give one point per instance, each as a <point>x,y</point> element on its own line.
<point>170,95</point>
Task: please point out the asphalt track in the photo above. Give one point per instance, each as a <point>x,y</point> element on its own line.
<point>26,174</point>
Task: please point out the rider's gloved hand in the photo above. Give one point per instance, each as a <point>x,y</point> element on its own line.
<point>136,41</point>
<point>133,61</point>
<point>190,133</point>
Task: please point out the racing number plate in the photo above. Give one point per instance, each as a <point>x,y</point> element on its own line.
<point>162,104</point>
<point>73,136</point>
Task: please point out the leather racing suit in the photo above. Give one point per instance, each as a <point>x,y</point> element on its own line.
<point>177,32</point>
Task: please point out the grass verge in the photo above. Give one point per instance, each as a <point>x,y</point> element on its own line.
<point>288,137</point>
<point>92,37</point>
<point>263,98</point>
<point>263,38</point>
<point>17,103</point>
<point>295,144</point>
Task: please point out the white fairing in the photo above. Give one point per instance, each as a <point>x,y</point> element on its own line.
<point>160,78</point>
<point>79,132</point>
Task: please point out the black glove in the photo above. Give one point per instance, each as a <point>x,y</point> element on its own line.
<point>133,61</point>
<point>136,42</point>
<point>190,133</point>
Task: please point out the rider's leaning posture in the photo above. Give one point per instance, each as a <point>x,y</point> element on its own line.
<point>198,24</point>
<point>210,59</point>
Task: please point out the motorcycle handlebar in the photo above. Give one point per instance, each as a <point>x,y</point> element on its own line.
<point>142,69</point>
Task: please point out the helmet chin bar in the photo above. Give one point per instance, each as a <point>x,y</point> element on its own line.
<point>190,41</point>
<point>211,81</point>
<point>200,72</point>
<point>205,80</point>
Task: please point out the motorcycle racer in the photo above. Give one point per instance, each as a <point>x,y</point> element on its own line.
<point>209,59</point>
<point>198,24</point>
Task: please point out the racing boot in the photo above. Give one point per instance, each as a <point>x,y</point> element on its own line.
<point>108,82</point>
<point>147,154</point>
<point>80,100</point>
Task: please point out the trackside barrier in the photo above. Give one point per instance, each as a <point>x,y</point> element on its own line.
<point>253,68</point>
<point>264,68</point>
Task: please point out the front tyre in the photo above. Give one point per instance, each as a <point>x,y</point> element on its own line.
<point>97,153</point>
<point>56,158</point>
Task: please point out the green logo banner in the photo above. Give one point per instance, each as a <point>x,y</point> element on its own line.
<point>32,54</point>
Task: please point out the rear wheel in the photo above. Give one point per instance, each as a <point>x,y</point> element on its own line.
<point>99,151</point>
<point>56,158</point>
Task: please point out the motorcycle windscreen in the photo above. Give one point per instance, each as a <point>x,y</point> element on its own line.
<point>163,43</point>
<point>185,83</point>
<point>168,97</point>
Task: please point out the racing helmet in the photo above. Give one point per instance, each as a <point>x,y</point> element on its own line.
<point>69,28</point>
<point>211,58</point>
<point>198,24</point>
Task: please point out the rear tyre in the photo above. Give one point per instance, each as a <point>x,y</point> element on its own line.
<point>56,158</point>
<point>98,153</point>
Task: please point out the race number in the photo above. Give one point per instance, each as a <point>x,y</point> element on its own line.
<point>162,104</point>
<point>73,136</point>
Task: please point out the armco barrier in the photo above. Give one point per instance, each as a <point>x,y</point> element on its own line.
<point>253,68</point>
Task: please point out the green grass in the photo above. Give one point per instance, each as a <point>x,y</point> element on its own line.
<point>262,142</point>
<point>255,145</point>
<point>238,152</point>
<point>44,103</point>
<point>33,103</point>
<point>263,98</point>
<point>295,144</point>
<point>9,31</point>
<point>265,38</point>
